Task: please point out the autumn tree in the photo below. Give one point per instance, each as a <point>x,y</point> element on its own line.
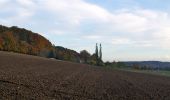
<point>24,41</point>
<point>85,55</point>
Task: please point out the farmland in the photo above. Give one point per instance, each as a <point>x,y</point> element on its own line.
<point>27,77</point>
<point>154,72</point>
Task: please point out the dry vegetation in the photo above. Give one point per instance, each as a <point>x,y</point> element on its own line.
<point>28,77</point>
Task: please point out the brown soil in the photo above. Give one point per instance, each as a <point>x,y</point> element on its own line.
<point>24,77</point>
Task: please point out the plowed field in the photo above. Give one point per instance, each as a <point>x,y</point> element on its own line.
<point>24,77</point>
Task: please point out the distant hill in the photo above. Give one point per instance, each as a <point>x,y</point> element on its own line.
<point>20,40</point>
<point>24,41</point>
<point>149,64</point>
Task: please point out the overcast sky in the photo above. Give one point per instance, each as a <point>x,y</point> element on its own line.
<point>127,29</point>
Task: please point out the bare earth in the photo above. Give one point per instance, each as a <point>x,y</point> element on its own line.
<point>24,77</point>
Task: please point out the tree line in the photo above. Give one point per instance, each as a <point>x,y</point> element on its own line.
<point>20,40</point>
<point>94,59</point>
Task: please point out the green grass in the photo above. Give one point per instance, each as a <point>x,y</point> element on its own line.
<point>155,72</point>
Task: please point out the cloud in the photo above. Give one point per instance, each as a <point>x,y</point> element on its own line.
<point>57,32</point>
<point>77,10</point>
<point>3,3</point>
<point>120,41</point>
<point>134,26</point>
<point>92,37</point>
<point>26,3</point>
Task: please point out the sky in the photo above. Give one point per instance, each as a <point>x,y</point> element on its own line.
<point>129,30</point>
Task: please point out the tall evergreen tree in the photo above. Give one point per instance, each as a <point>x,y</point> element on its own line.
<point>100,56</point>
<point>100,52</point>
<point>96,52</point>
<point>97,55</point>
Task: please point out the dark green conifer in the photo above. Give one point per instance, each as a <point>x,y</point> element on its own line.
<point>96,52</point>
<point>100,52</point>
